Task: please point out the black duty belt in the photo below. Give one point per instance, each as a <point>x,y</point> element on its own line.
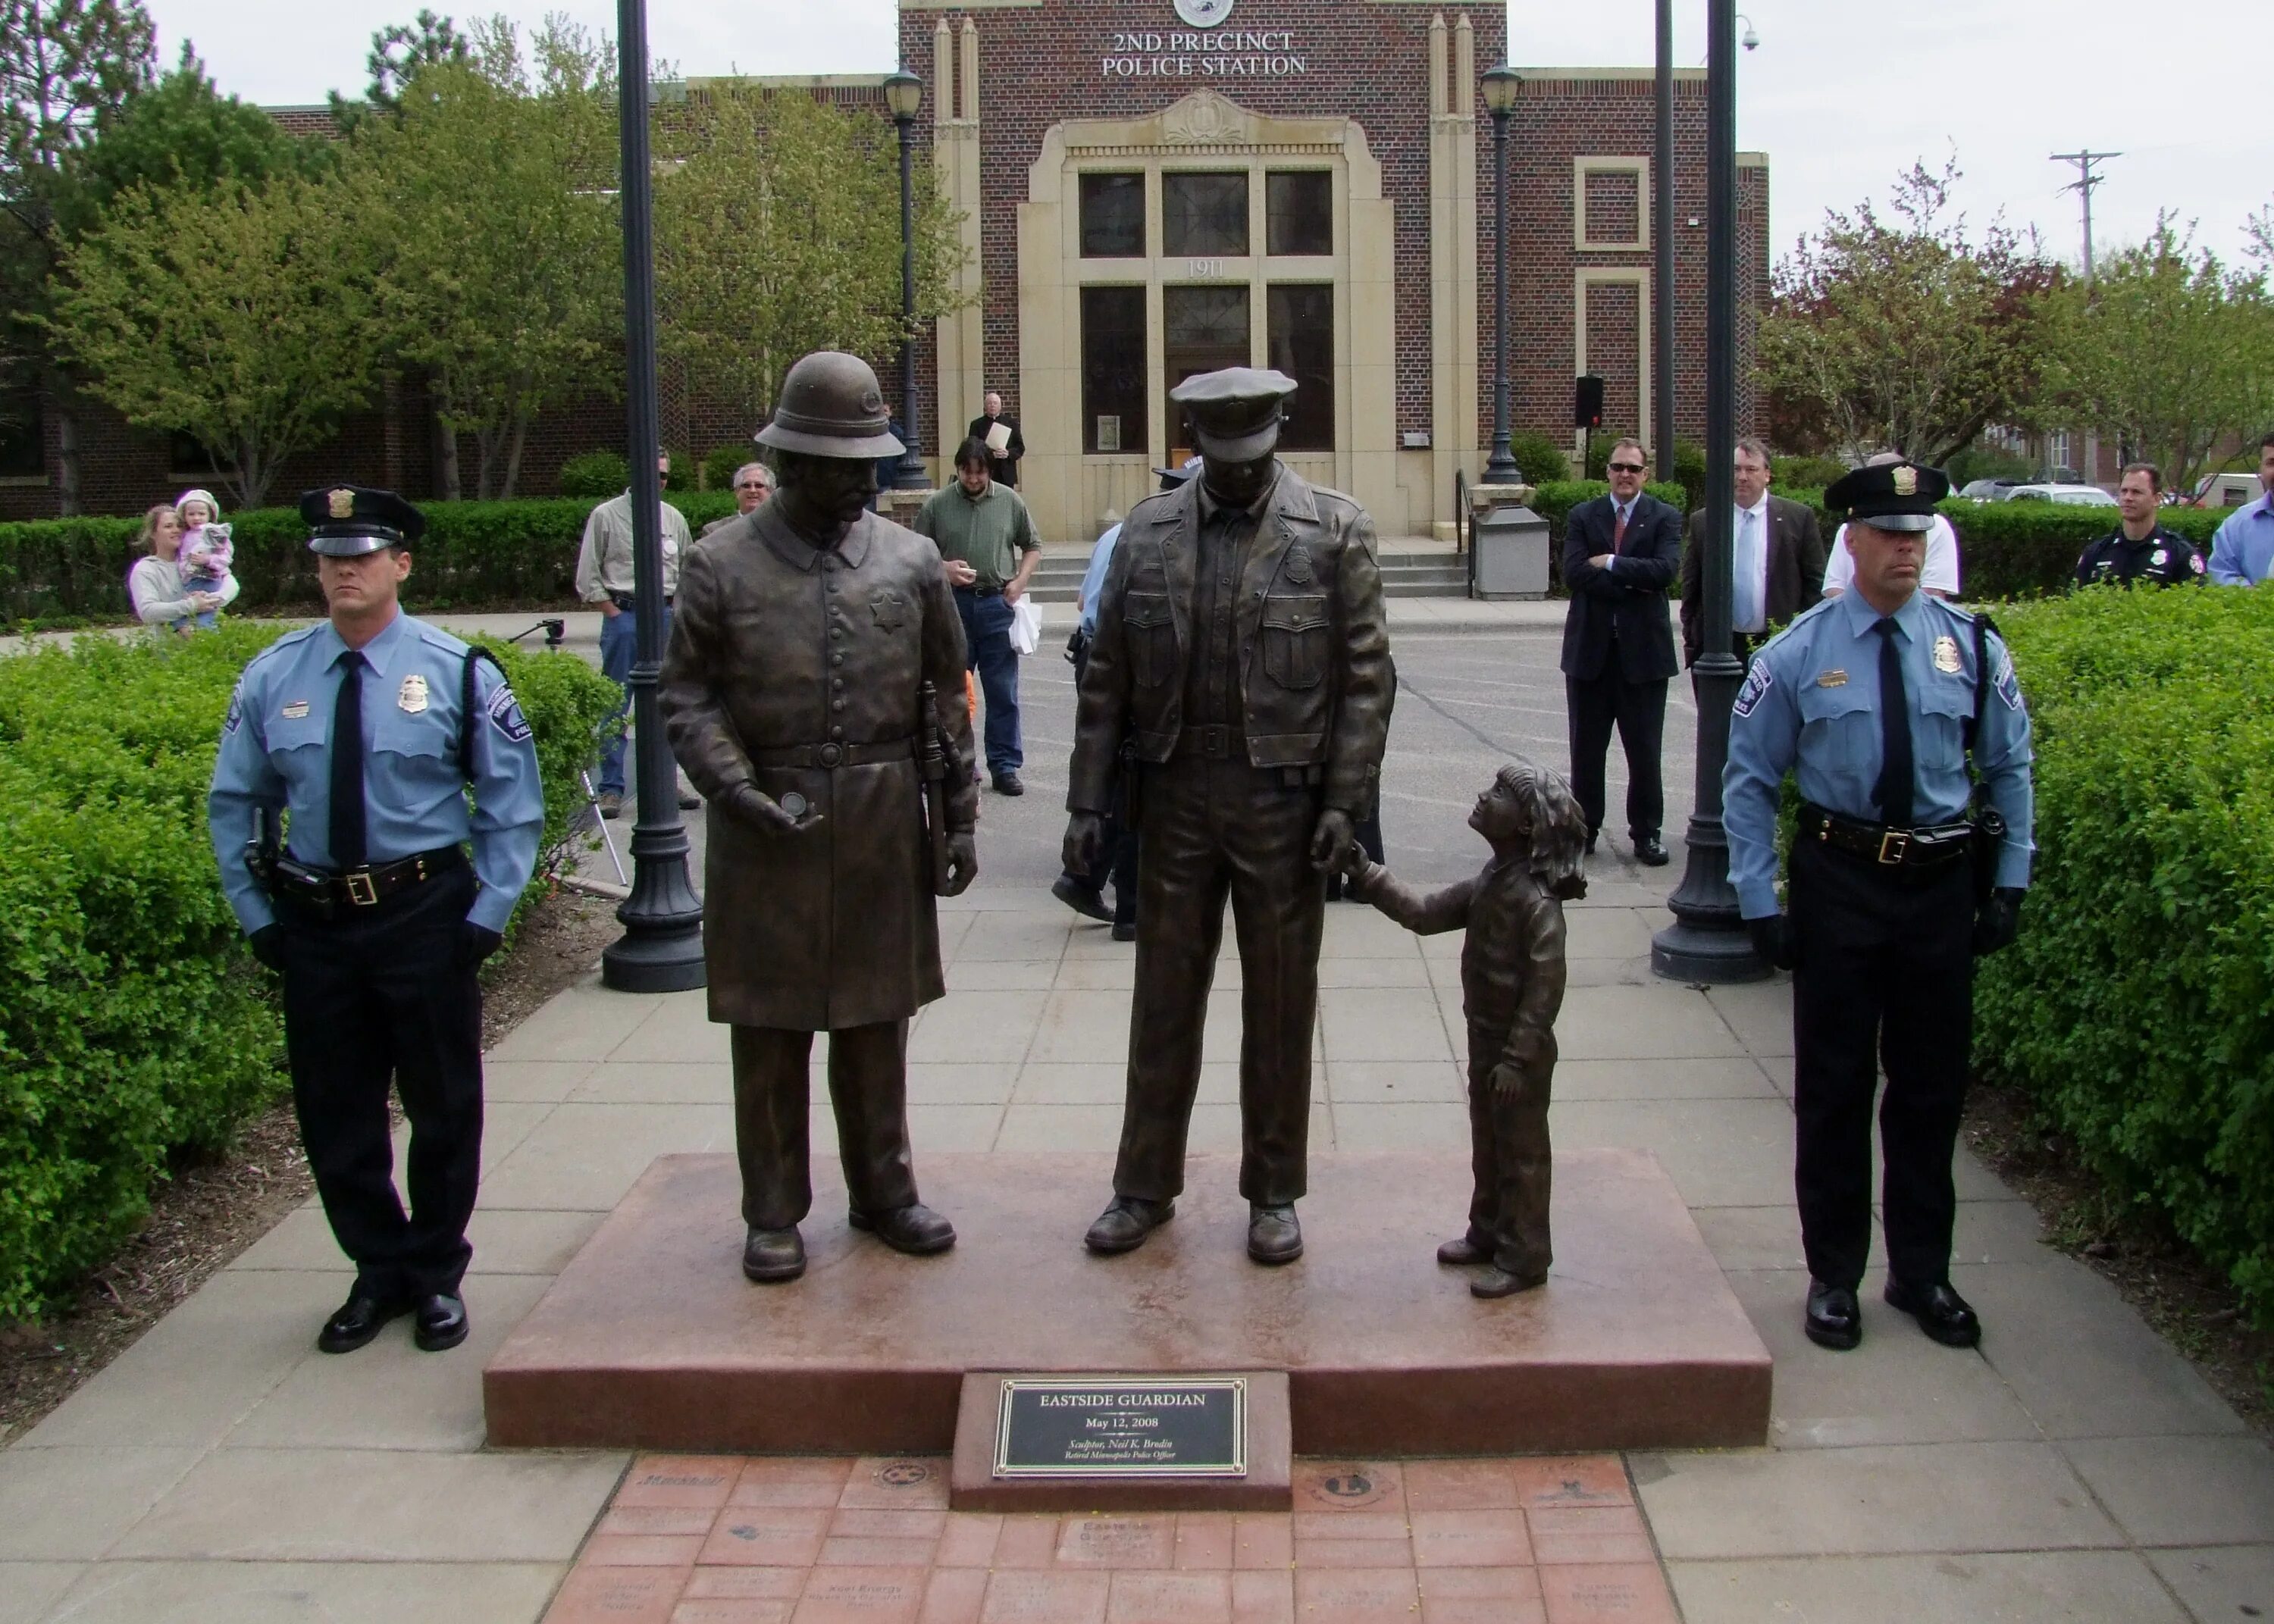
<point>792,756</point>
<point>325,890</point>
<point>1928,848</point>
<point>626,602</point>
<point>979,589</point>
<point>1219,741</point>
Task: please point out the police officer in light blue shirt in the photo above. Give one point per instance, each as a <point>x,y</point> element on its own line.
<point>1871,700</point>
<point>370,909</point>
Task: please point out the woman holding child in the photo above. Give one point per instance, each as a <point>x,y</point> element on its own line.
<point>184,581</point>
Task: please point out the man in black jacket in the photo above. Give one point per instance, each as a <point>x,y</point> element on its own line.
<point>1621,553</point>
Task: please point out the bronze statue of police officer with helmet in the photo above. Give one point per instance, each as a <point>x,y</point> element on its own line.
<point>813,692</point>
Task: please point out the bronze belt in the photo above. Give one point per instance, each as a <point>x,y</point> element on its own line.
<point>793,756</point>
<point>1217,741</point>
<point>1927,847</point>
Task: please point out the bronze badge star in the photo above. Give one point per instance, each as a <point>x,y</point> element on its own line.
<point>890,609</point>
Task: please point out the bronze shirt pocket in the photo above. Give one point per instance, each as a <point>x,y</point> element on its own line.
<point>1150,632</point>
<point>1295,633</point>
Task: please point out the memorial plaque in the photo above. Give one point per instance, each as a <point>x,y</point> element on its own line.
<point>1127,1426</point>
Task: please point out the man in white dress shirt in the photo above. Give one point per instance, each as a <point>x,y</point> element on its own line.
<point>1939,574</point>
<point>1777,558</point>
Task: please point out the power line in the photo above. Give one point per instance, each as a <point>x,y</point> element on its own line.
<point>2084,186</point>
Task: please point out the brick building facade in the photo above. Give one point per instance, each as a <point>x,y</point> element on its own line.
<point>1151,187</point>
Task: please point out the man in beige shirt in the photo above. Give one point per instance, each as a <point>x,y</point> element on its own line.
<point>754,482</point>
<point>603,579</point>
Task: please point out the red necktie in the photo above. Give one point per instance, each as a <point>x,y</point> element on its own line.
<point>1619,531</point>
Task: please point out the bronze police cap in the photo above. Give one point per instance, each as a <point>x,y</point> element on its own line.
<point>1236,412</point>
<point>831,407</point>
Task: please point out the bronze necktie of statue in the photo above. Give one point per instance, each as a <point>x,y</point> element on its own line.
<point>1512,968</point>
<point>1241,646</point>
<point>813,690</point>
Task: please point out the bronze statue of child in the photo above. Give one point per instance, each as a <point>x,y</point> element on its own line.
<point>1511,988</point>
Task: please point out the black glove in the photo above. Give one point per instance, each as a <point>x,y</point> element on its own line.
<point>1772,935</point>
<point>1997,922</point>
<point>267,945</point>
<point>475,943</point>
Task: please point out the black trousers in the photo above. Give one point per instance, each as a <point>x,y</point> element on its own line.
<point>1886,974</point>
<point>378,995</point>
<point>1213,829</point>
<point>1637,709</point>
<point>1510,1156</point>
<point>868,1091</point>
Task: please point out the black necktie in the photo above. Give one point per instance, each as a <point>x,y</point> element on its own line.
<point>1894,786</point>
<point>347,766</point>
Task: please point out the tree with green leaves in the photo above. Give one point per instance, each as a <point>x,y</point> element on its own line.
<point>2167,352</point>
<point>64,64</point>
<point>777,232</point>
<point>241,315</point>
<point>501,274</point>
<point>1902,331</point>
<point>398,52</point>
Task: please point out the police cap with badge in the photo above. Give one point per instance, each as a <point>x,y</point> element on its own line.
<point>1236,412</point>
<point>348,521</point>
<point>1889,496</point>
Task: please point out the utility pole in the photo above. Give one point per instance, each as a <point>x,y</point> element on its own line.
<point>2082,185</point>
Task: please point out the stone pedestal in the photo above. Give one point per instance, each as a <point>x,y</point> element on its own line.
<point>1511,543</point>
<point>651,1339</point>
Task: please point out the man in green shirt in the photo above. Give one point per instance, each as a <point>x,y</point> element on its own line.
<point>985,533</point>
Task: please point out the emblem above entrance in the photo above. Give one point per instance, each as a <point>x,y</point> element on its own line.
<point>1204,13</point>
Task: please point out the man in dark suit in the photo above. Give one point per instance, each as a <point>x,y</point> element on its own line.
<point>1777,564</point>
<point>1621,553</point>
<point>1002,466</point>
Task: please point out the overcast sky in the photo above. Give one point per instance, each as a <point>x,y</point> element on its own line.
<point>1841,94</point>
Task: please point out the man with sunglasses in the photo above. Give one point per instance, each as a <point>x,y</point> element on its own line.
<point>1621,553</point>
<point>754,482</point>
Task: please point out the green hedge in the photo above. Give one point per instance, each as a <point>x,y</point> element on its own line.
<point>132,1026</point>
<point>2137,1008</point>
<point>474,556</point>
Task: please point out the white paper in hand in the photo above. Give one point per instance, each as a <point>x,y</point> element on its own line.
<point>1027,624</point>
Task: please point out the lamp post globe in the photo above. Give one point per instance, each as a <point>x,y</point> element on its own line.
<point>1500,84</point>
<point>903,98</point>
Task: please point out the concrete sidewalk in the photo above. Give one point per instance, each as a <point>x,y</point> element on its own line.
<point>2073,1467</point>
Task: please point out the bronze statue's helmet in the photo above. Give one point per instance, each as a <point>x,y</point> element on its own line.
<point>831,407</point>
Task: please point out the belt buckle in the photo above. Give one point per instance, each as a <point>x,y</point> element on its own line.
<point>831,755</point>
<point>1894,845</point>
<point>359,888</point>
<point>1214,738</point>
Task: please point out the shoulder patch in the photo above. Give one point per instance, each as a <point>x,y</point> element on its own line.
<point>236,716</point>
<point>1758,681</point>
<point>505,714</point>
<point>2007,683</point>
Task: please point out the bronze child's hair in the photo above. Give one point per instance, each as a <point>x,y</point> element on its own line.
<point>1558,828</point>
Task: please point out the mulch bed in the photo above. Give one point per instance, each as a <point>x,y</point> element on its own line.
<point>209,1212</point>
<point>2191,1305</point>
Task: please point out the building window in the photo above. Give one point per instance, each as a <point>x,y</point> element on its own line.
<point>188,457</point>
<point>23,453</point>
<point>1302,345</point>
<point>1112,216</point>
<point>1298,213</point>
<point>1203,330</point>
<point>1113,413</point>
<point>1204,216</point>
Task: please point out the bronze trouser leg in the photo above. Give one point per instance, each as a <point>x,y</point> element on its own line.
<point>868,1091</point>
<point>771,1095</point>
<point>1514,1162</point>
<point>1213,829</point>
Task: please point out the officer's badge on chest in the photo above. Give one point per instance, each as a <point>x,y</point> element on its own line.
<point>1946,655</point>
<point>890,611</point>
<point>412,696</point>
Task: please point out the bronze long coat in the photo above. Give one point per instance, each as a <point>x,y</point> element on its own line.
<point>783,660</point>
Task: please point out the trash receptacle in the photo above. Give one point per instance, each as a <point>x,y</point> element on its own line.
<point>1512,554</point>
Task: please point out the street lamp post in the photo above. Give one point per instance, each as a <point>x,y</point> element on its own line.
<point>1707,941</point>
<point>903,95</point>
<point>1500,85</point>
<point>661,949</point>
<point>1662,295</point>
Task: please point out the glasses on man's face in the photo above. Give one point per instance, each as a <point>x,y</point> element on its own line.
<point>1626,467</point>
<point>754,484</point>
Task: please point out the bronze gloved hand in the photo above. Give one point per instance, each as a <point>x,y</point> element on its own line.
<point>1327,842</point>
<point>752,807</point>
<point>1997,922</point>
<point>1506,1081</point>
<point>1085,841</point>
<point>962,863</point>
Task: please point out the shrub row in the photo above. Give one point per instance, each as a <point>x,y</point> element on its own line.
<point>132,1026</point>
<point>2137,1008</point>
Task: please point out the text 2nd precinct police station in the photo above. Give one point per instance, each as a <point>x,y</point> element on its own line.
<point>1225,53</point>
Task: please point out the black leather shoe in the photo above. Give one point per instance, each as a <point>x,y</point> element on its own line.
<point>1941,1313</point>
<point>441,1323</point>
<point>1124,932</point>
<point>359,1319</point>
<point>1497,1281</point>
<point>687,802</point>
<point>772,1256</point>
<point>1273,1234</point>
<point>1462,1250</point>
<point>1650,853</point>
<point>1007,784</point>
<point>1081,899</point>
<point>1124,1226</point>
<point>916,1229</point>
<point>1590,842</point>
<point>1835,1319</point>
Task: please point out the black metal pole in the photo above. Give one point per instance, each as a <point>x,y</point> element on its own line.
<point>1707,941</point>
<point>1662,303</point>
<point>1500,468</point>
<point>909,476</point>
<point>661,949</point>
